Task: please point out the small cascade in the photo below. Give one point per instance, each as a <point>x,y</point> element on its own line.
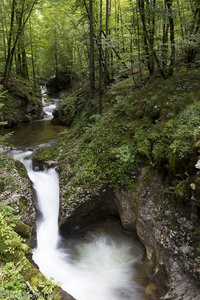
<point>101,267</point>
<point>48,107</point>
<point>48,110</point>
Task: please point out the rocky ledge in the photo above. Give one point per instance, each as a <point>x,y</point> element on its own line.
<point>167,232</point>
<point>16,189</point>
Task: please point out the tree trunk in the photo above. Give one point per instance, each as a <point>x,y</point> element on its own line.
<point>107,77</point>
<point>91,58</point>
<point>100,57</point>
<point>10,37</point>
<point>192,52</point>
<point>21,22</point>
<point>172,38</point>
<point>142,15</point>
<point>32,55</point>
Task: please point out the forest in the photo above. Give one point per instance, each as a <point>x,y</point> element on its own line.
<point>100,139</point>
<point>97,40</point>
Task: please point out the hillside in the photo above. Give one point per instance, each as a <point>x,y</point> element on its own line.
<point>138,161</point>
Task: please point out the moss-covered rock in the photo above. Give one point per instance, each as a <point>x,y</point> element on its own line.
<point>65,112</point>
<point>47,153</point>
<point>16,189</point>
<point>19,278</point>
<point>22,103</point>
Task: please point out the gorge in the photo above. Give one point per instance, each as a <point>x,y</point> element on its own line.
<point>166,265</point>
<point>103,260</point>
<point>100,150</point>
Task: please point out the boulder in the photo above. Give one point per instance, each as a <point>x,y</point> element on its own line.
<point>59,82</point>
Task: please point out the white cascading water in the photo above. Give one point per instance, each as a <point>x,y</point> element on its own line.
<point>103,268</point>
<point>48,109</point>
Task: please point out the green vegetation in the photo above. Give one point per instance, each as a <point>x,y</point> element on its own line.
<point>21,103</point>
<point>96,41</point>
<point>151,118</point>
<point>157,124</point>
<point>18,277</point>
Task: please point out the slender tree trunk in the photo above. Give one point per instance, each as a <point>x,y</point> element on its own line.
<point>100,57</point>
<point>3,33</point>
<point>10,37</point>
<point>22,20</point>
<point>195,28</point>
<point>164,47</point>
<point>145,31</point>
<point>104,34</point>
<point>138,41</point>
<point>107,79</point>
<point>169,4</point>
<point>180,20</point>
<point>24,63</point>
<point>148,38</point>
<point>152,33</point>
<point>32,54</point>
<point>18,61</point>
<point>91,58</point>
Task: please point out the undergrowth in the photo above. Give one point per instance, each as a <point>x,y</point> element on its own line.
<point>19,279</point>
<point>157,125</point>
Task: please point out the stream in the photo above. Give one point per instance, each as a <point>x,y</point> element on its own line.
<point>104,263</point>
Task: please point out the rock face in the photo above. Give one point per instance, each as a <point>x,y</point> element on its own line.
<point>16,189</point>
<point>65,112</point>
<point>167,232</point>
<point>87,209</point>
<point>59,82</point>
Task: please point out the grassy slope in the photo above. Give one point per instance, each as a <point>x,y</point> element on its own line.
<point>158,125</point>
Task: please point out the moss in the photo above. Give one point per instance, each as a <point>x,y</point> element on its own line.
<point>23,230</point>
<point>2,186</point>
<point>18,276</point>
<point>182,190</point>
<point>46,153</point>
<point>22,102</point>
<point>65,112</point>
<point>156,124</point>
<point>21,169</point>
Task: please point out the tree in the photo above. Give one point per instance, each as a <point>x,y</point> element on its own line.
<point>91,55</point>
<point>194,31</point>
<point>19,15</point>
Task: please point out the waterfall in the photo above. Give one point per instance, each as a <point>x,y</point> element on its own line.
<point>48,110</point>
<point>100,268</point>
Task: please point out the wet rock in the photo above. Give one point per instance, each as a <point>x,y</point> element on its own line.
<point>59,82</point>
<point>87,209</point>
<point>166,234</point>
<point>16,189</point>
<point>66,296</point>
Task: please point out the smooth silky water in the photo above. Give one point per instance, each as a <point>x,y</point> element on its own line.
<point>104,263</point>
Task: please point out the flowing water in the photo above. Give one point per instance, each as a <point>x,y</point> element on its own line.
<point>104,264</point>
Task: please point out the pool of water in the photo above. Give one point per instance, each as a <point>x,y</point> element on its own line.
<point>35,133</point>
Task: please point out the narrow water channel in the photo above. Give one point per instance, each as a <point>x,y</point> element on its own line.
<point>105,263</point>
